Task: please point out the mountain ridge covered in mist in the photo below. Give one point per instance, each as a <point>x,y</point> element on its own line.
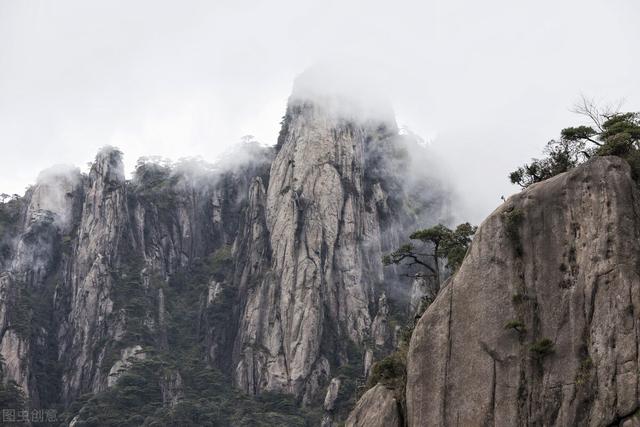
<point>144,301</point>
<point>277,287</point>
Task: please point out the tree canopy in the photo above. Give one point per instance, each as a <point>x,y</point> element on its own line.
<point>430,245</point>
<point>611,134</point>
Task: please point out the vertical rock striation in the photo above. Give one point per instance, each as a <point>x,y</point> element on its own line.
<point>76,250</point>
<point>325,217</point>
<point>267,267</point>
<point>540,324</point>
<point>31,266</point>
<point>102,230</point>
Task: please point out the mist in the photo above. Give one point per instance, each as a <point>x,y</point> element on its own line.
<point>54,187</point>
<point>486,85</point>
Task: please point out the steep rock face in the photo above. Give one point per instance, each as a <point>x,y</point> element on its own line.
<point>325,220</point>
<point>129,355</point>
<point>77,250</point>
<point>378,407</point>
<point>332,394</point>
<point>103,227</point>
<point>15,351</point>
<point>192,213</point>
<point>557,264</point>
<point>187,218</point>
<point>267,267</point>
<point>30,268</point>
<point>380,330</point>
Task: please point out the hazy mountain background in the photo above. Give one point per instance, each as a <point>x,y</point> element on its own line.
<point>485,84</point>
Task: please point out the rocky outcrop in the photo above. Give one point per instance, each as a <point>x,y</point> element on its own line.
<point>32,258</point>
<point>540,325</point>
<point>77,246</point>
<point>266,268</point>
<point>129,355</point>
<point>378,407</point>
<point>325,213</point>
<point>15,353</point>
<point>381,333</point>
<point>332,394</point>
<point>102,229</point>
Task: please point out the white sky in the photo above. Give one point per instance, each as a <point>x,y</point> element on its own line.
<point>487,82</point>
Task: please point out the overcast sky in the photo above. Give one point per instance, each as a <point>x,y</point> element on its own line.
<point>487,83</point>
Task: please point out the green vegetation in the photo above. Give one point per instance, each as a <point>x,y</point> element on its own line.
<point>35,325</point>
<point>11,394</point>
<point>434,244</point>
<point>542,348</point>
<point>9,218</point>
<point>205,399</point>
<point>221,262</point>
<point>512,220</point>
<point>584,371</point>
<point>21,311</point>
<point>352,381</point>
<point>561,156</point>
<point>66,243</point>
<point>188,290</point>
<point>612,133</point>
<point>284,128</point>
<point>516,325</point>
<point>137,303</point>
<point>154,182</point>
<point>30,317</point>
<point>449,244</point>
<point>390,371</point>
<point>9,210</point>
<point>202,395</point>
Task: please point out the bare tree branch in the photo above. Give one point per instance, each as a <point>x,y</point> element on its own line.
<point>589,108</point>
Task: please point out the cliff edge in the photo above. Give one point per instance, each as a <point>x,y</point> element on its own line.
<point>540,325</point>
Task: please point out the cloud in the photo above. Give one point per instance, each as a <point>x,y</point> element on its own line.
<point>346,88</point>
<point>54,190</point>
<point>488,83</point>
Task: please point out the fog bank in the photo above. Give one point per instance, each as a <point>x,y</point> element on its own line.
<point>485,84</point>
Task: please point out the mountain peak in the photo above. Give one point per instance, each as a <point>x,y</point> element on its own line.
<point>347,91</point>
<point>108,165</point>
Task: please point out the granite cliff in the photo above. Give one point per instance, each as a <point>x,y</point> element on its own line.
<point>265,271</point>
<point>539,326</point>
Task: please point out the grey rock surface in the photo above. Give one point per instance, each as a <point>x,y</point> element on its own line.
<point>324,222</point>
<point>332,394</point>
<point>378,407</point>
<point>102,228</point>
<point>380,329</point>
<point>561,258</point>
<point>299,230</point>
